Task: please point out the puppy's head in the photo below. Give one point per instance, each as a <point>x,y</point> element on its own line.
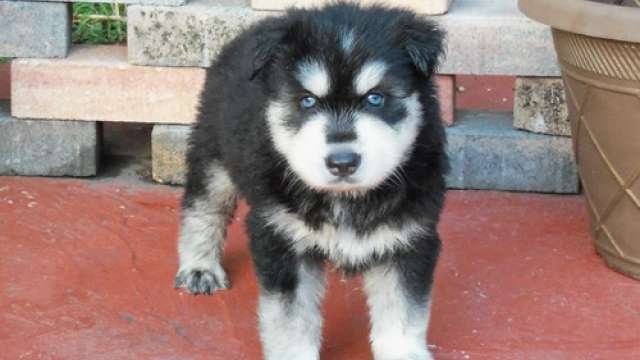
<point>345,91</point>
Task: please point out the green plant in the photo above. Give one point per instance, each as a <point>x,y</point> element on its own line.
<point>99,23</point>
<point>4,60</point>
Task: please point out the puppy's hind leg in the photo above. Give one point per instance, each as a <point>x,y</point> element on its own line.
<point>207,206</point>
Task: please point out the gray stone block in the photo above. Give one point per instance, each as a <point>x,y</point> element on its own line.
<point>191,35</point>
<point>168,153</point>
<point>492,37</point>
<point>487,153</point>
<point>34,29</point>
<point>484,37</point>
<point>47,147</point>
<point>140,2</point>
<point>540,106</point>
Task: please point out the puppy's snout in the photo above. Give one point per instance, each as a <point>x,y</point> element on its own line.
<point>343,163</point>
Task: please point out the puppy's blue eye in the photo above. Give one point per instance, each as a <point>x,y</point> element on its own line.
<point>375,99</point>
<point>308,102</point>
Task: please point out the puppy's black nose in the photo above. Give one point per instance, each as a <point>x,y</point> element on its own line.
<point>343,163</point>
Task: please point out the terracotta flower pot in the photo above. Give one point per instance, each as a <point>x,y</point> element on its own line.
<point>598,48</point>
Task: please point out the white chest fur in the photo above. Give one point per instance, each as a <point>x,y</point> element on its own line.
<point>341,244</point>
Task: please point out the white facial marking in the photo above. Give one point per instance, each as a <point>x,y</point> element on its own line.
<point>398,324</point>
<point>306,149</point>
<point>370,76</point>
<point>314,78</point>
<point>382,147</point>
<point>204,225</point>
<point>342,245</point>
<point>347,40</point>
<point>291,328</point>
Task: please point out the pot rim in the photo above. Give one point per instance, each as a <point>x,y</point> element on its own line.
<point>586,17</point>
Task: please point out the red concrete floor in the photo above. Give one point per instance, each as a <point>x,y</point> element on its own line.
<point>86,272</point>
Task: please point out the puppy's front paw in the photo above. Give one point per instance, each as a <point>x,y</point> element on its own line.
<point>200,281</point>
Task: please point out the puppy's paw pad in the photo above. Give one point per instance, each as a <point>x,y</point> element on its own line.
<point>200,281</point>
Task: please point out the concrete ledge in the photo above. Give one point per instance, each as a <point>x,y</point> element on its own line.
<point>96,83</point>
<point>141,2</point>
<point>487,153</point>
<point>168,153</point>
<point>47,147</point>
<point>492,37</point>
<point>34,29</point>
<point>484,37</point>
<point>431,7</point>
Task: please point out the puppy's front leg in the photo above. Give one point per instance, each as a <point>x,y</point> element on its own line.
<point>207,206</point>
<point>291,289</point>
<point>399,298</point>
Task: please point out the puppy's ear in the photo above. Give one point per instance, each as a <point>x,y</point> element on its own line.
<point>424,42</point>
<point>267,44</point>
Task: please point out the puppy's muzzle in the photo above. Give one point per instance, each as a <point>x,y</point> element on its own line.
<point>343,163</point>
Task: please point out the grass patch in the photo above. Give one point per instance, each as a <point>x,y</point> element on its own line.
<point>4,60</point>
<point>99,23</point>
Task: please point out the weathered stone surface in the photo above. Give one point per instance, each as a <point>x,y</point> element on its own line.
<point>96,83</point>
<point>168,152</point>
<point>540,106</point>
<point>141,2</point>
<point>34,29</point>
<point>47,147</point>
<point>484,37</point>
<point>487,153</point>
<point>191,35</point>
<point>433,7</point>
<point>492,37</point>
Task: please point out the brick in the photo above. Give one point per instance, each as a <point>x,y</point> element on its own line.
<point>446,95</point>
<point>433,7</point>
<point>96,83</point>
<point>485,92</point>
<point>541,106</point>
<point>487,153</point>
<point>141,2</point>
<point>5,81</point>
<point>47,147</point>
<point>168,153</point>
<point>34,29</point>
<point>484,37</point>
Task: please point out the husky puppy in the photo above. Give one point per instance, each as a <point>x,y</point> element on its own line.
<point>326,121</point>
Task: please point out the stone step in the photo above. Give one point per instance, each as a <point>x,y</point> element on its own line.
<point>138,2</point>
<point>432,7</point>
<point>34,29</point>
<point>96,83</point>
<point>47,147</point>
<point>485,153</point>
<point>485,37</point>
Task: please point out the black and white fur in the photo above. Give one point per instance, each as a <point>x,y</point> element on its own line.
<point>256,137</point>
